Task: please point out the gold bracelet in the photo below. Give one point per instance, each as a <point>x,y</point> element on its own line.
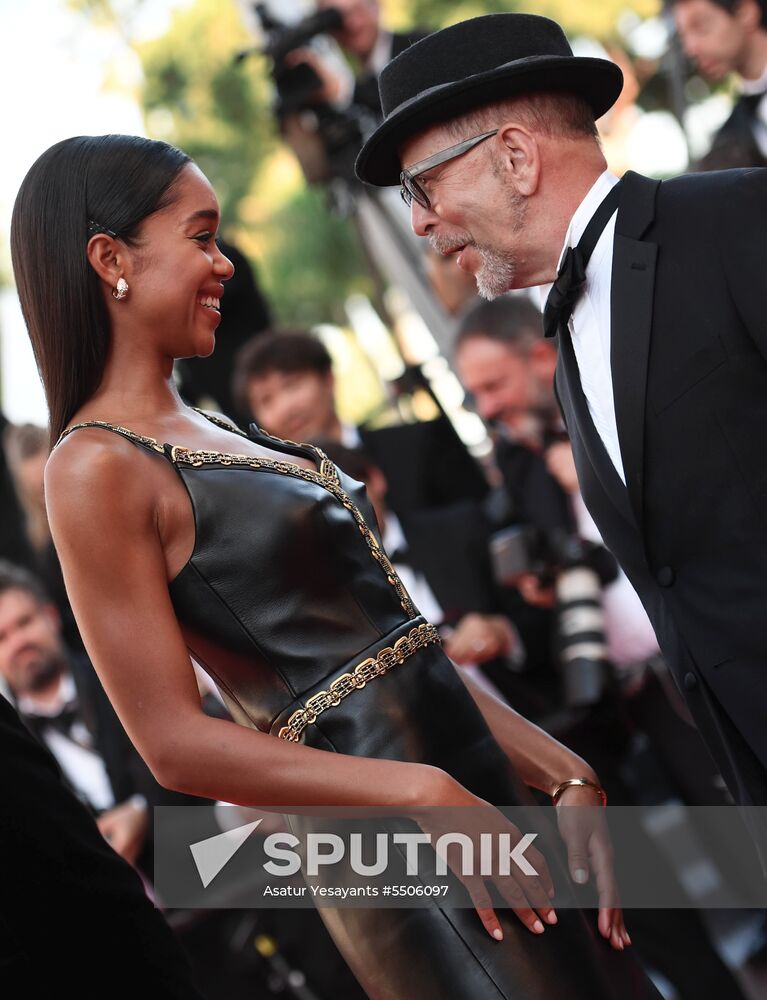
<point>578,781</point>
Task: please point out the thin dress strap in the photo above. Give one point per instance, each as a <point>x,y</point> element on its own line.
<point>142,440</point>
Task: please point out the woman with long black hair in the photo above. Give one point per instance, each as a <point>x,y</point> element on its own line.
<point>178,533</point>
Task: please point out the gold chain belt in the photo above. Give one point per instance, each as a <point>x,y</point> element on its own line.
<point>341,687</point>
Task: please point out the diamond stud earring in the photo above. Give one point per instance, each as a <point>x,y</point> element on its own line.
<point>121,289</point>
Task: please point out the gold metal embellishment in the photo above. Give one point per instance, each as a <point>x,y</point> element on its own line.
<point>150,442</point>
<point>326,477</point>
<point>343,686</point>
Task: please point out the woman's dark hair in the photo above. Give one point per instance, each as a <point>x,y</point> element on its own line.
<point>81,186</point>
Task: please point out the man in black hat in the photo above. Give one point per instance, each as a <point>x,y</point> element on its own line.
<point>658,305</point>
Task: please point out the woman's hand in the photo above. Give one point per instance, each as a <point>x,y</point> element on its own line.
<point>590,852</point>
<point>528,895</point>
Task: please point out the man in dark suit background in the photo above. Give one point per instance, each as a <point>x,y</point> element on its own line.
<point>14,544</point>
<point>370,46</point>
<point>659,309</point>
<point>723,37</point>
<point>74,916</point>
<point>285,381</point>
<point>60,698</point>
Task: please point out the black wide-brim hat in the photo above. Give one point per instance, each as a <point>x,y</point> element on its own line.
<point>472,63</point>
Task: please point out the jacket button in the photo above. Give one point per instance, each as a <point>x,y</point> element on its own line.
<point>690,681</point>
<point>666,576</point>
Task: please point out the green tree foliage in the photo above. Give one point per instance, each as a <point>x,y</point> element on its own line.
<point>597,18</point>
<point>196,97</point>
<point>313,260</point>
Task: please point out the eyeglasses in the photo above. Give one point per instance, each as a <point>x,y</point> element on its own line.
<point>412,189</point>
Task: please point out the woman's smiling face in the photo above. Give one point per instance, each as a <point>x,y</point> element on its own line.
<point>177,271</point>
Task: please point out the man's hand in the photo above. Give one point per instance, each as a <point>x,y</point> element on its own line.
<point>478,638</point>
<point>534,592</point>
<point>125,827</point>
<point>561,464</point>
<point>330,84</point>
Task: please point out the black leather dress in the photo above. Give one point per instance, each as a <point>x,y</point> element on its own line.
<point>288,589</point>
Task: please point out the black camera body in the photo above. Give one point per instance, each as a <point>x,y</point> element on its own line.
<point>325,140</point>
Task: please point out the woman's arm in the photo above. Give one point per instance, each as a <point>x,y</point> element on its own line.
<point>541,761</point>
<point>104,523</point>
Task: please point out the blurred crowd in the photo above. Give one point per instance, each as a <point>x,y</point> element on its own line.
<point>500,553</point>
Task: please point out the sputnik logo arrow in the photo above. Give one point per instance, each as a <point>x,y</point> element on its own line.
<point>212,854</point>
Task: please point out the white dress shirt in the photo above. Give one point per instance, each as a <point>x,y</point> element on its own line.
<point>83,767</point>
<point>590,321</point>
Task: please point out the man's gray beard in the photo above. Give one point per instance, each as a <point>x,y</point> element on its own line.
<point>496,275</point>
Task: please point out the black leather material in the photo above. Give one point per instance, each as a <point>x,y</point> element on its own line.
<point>280,596</point>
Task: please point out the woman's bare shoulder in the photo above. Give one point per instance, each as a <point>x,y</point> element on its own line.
<point>97,472</point>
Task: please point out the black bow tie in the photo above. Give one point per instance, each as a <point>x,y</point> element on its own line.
<point>572,274</point>
<point>751,101</point>
<point>62,722</point>
<point>564,292</point>
<point>401,556</point>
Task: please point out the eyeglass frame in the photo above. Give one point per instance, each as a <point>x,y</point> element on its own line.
<point>410,188</point>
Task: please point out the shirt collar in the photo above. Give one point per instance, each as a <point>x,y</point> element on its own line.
<point>381,54</point>
<point>583,214</point>
<point>758,86</point>
<point>67,692</point>
<point>393,536</point>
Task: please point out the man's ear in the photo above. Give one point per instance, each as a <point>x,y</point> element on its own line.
<point>543,359</point>
<point>52,613</point>
<point>106,257</point>
<point>520,157</point>
<point>749,13</point>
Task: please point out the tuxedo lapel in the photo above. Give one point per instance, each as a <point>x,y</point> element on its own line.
<point>631,308</point>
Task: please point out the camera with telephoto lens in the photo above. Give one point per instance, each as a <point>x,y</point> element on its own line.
<point>326,140</point>
<point>577,570</point>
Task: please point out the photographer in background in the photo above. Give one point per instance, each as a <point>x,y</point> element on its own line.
<point>723,37</point>
<point>369,46</point>
<point>507,366</point>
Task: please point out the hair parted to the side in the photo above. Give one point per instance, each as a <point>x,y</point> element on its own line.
<point>729,6</point>
<point>114,181</point>
<point>283,351</point>
<point>15,577</point>
<point>555,114</point>
<point>512,320</point>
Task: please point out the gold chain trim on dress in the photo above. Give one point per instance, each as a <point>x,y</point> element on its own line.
<point>326,477</point>
<point>341,687</point>
<point>150,442</point>
<point>331,484</point>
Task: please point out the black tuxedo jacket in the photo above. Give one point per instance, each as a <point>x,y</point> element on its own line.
<point>71,910</point>
<point>735,144</point>
<point>127,772</point>
<point>425,463</point>
<point>450,547</point>
<point>689,372</point>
